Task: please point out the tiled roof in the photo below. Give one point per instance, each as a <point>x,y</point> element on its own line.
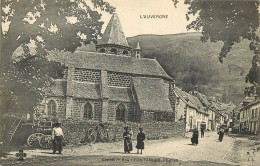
<point>120,94</point>
<point>114,33</point>
<point>58,89</point>
<point>152,94</point>
<point>203,99</point>
<point>190,100</point>
<point>83,90</point>
<point>110,62</point>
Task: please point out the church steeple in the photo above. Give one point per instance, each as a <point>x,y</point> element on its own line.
<point>138,50</point>
<point>114,40</point>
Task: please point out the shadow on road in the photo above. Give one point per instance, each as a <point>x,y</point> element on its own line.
<point>122,153</point>
<point>191,144</point>
<point>47,152</point>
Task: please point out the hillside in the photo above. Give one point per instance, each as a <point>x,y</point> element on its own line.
<point>184,56</point>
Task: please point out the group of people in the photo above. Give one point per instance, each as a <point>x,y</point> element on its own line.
<point>195,135</point>
<point>127,135</point>
<point>58,139</point>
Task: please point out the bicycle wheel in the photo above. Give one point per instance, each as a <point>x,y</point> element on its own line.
<point>33,140</point>
<point>92,135</point>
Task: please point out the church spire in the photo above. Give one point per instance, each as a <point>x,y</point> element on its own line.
<point>114,33</point>
<point>114,40</point>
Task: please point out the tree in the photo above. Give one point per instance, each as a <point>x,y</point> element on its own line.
<point>227,21</point>
<point>49,25</point>
<point>52,24</point>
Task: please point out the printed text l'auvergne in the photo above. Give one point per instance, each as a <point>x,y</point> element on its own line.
<point>153,16</point>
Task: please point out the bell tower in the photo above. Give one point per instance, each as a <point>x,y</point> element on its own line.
<point>138,50</point>
<point>114,40</point>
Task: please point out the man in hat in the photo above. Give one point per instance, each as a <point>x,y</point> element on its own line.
<point>57,137</point>
<point>127,141</point>
<point>140,140</point>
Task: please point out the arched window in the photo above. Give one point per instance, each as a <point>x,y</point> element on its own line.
<point>113,51</point>
<point>125,52</point>
<point>120,112</point>
<point>102,50</point>
<point>88,111</point>
<point>51,108</point>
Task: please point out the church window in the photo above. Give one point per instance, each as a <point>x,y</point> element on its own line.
<point>125,52</point>
<point>51,108</point>
<point>102,50</point>
<point>114,51</point>
<point>120,112</point>
<point>88,111</point>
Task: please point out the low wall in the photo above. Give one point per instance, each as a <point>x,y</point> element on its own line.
<point>75,132</point>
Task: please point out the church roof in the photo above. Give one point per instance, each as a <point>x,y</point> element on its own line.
<point>114,33</point>
<point>152,94</point>
<point>84,90</point>
<point>120,94</point>
<point>110,62</point>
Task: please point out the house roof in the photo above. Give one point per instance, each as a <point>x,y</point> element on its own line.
<point>190,100</point>
<point>203,99</point>
<point>114,33</point>
<point>120,94</point>
<point>152,94</point>
<point>110,62</point>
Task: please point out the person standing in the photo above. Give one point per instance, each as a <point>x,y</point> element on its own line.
<point>202,131</point>
<point>195,136</point>
<point>127,141</point>
<point>57,137</point>
<point>140,140</point>
<point>221,134</point>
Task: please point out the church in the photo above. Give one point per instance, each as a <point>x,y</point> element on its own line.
<point>112,83</point>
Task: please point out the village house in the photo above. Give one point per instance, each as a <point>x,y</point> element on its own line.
<point>188,108</point>
<point>250,117</point>
<point>114,83</point>
<point>206,104</point>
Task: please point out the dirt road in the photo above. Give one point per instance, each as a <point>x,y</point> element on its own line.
<point>209,151</point>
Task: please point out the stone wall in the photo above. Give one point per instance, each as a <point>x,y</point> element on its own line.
<point>119,79</point>
<point>78,108</point>
<point>129,114</point>
<point>87,75</point>
<point>75,131</point>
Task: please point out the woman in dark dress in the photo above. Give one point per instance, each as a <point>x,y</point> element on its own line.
<point>195,136</point>
<point>127,141</point>
<point>140,140</point>
<point>221,134</point>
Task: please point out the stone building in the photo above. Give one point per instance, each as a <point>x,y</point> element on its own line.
<point>112,84</point>
<point>190,110</point>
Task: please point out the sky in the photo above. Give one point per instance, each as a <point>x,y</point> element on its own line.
<point>130,11</point>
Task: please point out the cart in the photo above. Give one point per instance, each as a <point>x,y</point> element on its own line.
<point>41,136</point>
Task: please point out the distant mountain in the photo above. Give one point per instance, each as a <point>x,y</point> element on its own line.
<point>195,64</point>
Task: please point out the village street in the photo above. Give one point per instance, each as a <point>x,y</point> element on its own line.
<point>209,151</point>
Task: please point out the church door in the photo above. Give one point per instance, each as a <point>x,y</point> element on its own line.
<point>88,111</point>
<point>120,112</point>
